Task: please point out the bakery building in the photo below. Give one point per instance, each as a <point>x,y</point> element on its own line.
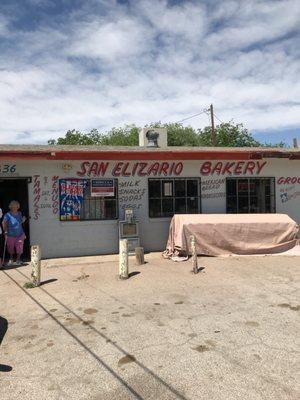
<point>76,196</point>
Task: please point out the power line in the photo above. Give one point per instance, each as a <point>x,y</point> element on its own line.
<point>204,111</point>
<point>218,118</point>
<point>210,112</point>
<point>192,116</point>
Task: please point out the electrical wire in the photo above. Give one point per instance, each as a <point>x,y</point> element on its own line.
<point>192,116</point>
<point>218,118</point>
<point>204,111</point>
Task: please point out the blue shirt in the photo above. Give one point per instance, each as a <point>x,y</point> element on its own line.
<point>14,224</point>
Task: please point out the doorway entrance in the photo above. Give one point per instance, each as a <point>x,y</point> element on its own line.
<point>17,189</point>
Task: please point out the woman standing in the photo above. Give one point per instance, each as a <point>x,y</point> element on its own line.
<point>13,229</point>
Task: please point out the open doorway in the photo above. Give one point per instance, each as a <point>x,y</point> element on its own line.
<point>17,189</point>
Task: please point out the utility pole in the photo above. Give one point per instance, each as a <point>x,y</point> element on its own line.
<point>213,132</point>
<point>295,143</point>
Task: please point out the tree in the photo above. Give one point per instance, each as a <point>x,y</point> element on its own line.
<point>179,135</point>
<point>228,134</point>
<point>279,144</point>
<point>127,136</point>
<point>74,137</point>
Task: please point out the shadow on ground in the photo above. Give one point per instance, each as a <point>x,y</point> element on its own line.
<point>158,380</point>
<point>8,267</point>
<point>48,281</point>
<point>3,330</point>
<point>133,273</point>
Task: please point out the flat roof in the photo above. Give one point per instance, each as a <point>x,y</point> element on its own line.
<point>69,152</point>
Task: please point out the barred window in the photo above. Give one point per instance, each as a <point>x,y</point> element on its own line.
<point>250,195</point>
<point>88,199</point>
<point>173,196</point>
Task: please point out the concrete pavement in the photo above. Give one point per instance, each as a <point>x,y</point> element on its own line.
<point>230,332</point>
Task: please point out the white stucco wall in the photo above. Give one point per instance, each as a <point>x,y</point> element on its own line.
<point>59,239</point>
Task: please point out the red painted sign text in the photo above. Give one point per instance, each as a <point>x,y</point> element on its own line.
<point>128,169</point>
<point>289,180</point>
<point>232,167</point>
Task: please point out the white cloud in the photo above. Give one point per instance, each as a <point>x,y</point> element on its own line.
<point>256,22</point>
<point>110,41</point>
<point>187,19</point>
<point>111,64</point>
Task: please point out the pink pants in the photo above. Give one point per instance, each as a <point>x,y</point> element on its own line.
<point>15,243</point>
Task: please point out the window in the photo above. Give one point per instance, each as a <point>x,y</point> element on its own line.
<point>88,199</point>
<point>173,196</point>
<point>250,195</point>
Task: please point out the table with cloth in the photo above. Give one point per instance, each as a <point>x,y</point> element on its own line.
<point>226,234</point>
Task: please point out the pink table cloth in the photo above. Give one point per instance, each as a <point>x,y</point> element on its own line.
<point>225,234</point>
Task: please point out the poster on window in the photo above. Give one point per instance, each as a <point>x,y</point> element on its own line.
<point>71,198</point>
<point>102,187</point>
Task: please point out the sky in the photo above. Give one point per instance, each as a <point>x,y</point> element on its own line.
<point>83,64</point>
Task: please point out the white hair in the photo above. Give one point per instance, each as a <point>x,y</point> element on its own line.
<point>14,203</point>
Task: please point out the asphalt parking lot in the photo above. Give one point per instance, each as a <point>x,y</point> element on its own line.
<point>229,332</point>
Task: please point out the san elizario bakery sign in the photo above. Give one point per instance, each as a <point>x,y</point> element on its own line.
<point>96,168</point>
<point>164,168</point>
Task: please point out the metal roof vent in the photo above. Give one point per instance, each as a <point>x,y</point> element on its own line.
<point>152,137</point>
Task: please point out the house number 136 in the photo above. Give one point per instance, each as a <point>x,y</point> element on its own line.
<point>7,169</point>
